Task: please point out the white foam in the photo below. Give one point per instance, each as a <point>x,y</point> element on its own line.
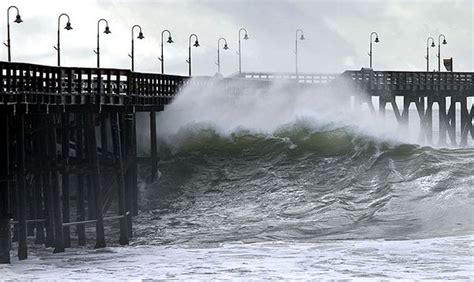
<point>265,111</point>
<point>437,258</point>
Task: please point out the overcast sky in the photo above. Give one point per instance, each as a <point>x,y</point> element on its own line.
<point>337,33</point>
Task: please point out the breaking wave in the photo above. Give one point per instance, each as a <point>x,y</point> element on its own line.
<point>304,184</point>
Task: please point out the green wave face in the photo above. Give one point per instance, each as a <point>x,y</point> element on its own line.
<point>279,164</point>
<point>301,183</point>
<point>292,140</point>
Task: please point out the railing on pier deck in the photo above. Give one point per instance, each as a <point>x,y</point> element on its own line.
<point>22,83</point>
<point>419,83</point>
<point>308,78</point>
<point>382,82</point>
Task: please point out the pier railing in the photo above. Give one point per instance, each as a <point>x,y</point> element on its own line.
<point>308,78</point>
<point>31,84</point>
<point>381,82</point>
<point>461,83</point>
<point>38,84</point>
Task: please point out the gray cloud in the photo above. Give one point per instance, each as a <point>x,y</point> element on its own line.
<point>337,33</point>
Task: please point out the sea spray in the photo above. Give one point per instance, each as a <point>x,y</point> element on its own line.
<point>267,110</point>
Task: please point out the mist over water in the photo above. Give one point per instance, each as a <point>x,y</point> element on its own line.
<point>266,110</point>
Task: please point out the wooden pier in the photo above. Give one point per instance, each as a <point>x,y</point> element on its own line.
<point>68,140</point>
<point>448,91</point>
<point>50,159</point>
<point>424,90</point>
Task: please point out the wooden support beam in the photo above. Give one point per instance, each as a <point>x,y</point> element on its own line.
<point>153,146</point>
<point>65,177</point>
<point>134,165</point>
<point>80,197</point>
<point>30,226</point>
<point>55,191</point>
<point>49,210</point>
<point>442,121</point>
<point>4,197</point>
<point>126,123</point>
<point>382,106</point>
<point>95,177</point>
<point>95,220</point>
<point>21,188</point>
<point>91,209</point>
<point>117,144</point>
<point>405,113</point>
<point>451,122</point>
<point>428,124</point>
<point>420,108</point>
<point>103,134</point>
<point>466,122</point>
<point>13,188</point>
<point>48,159</point>
<point>38,208</point>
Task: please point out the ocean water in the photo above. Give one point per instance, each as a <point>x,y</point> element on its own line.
<point>286,185</point>
<point>437,258</point>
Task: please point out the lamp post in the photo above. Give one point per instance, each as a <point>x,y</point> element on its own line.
<point>67,27</point>
<point>106,31</point>
<point>428,51</point>
<point>246,37</point>
<point>17,20</point>
<point>140,36</point>
<point>162,58</point>
<point>296,48</point>
<point>196,44</point>
<point>226,47</point>
<point>372,40</point>
<point>439,49</point>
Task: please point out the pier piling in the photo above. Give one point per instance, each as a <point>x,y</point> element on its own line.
<point>80,193</point>
<point>21,188</point>
<point>65,177</point>
<point>54,187</point>
<point>95,180</point>
<point>4,197</point>
<point>153,146</point>
<point>117,146</point>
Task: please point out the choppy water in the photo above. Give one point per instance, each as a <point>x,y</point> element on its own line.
<point>303,186</point>
<point>301,198</point>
